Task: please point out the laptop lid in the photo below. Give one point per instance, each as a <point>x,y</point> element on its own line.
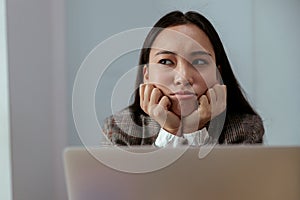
<point>226,172</point>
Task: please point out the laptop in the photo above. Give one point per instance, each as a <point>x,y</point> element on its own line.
<point>148,173</point>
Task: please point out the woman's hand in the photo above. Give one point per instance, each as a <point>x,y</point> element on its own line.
<point>211,105</point>
<point>156,105</point>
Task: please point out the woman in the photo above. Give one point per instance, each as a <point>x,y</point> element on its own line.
<point>181,98</point>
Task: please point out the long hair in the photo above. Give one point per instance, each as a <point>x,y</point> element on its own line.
<point>236,101</point>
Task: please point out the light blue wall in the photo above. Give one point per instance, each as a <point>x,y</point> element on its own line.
<point>277,69</point>
<point>256,36</point>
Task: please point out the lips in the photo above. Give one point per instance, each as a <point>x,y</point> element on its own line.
<point>183,94</point>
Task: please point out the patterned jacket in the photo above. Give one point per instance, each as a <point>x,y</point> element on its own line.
<point>122,130</point>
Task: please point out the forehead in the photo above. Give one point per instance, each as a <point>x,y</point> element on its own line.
<point>182,39</point>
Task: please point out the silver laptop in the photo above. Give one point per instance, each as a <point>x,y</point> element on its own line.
<point>147,173</point>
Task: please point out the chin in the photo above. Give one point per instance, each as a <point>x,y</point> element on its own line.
<point>184,108</point>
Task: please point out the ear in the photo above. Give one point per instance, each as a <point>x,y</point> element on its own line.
<point>146,74</point>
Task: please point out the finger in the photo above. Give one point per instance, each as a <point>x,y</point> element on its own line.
<point>147,93</point>
<point>165,102</point>
<point>204,107</point>
<point>141,92</point>
<point>211,96</point>
<point>222,93</point>
<point>160,110</point>
<point>203,101</point>
<point>204,110</point>
<point>220,106</point>
<point>156,94</point>
<point>167,119</point>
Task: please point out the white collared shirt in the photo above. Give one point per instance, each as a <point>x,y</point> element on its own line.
<point>196,138</point>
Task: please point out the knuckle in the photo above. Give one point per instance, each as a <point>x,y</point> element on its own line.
<point>156,91</point>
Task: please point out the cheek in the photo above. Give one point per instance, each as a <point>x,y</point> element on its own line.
<point>207,79</point>
<point>160,79</point>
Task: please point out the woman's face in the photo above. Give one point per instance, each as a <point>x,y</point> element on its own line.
<point>182,66</point>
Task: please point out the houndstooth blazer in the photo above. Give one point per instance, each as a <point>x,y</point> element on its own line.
<point>122,130</point>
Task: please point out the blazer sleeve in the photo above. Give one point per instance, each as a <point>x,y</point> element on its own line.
<point>243,129</point>
<point>121,129</point>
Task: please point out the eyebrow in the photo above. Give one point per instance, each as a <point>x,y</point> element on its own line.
<point>194,53</point>
<point>165,52</point>
<point>200,53</point>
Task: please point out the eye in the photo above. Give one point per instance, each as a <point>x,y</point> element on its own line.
<point>165,62</point>
<point>199,62</point>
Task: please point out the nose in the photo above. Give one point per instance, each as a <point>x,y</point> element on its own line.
<point>184,74</point>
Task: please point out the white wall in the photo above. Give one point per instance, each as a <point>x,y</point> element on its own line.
<point>37,90</point>
<point>5,146</point>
